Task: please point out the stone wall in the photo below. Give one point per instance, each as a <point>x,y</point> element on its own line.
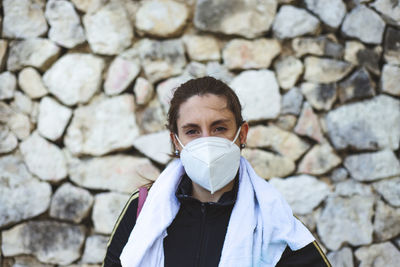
<point>84,88</point>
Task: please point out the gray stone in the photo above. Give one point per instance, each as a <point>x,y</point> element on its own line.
<point>292,102</point>
<point>346,220</point>
<point>258,92</point>
<point>161,59</point>
<point>355,21</point>
<point>121,73</point>
<point>318,46</point>
<point>378,255</point>
<point>358,54</point>
<point>106,210</point>
<point>30,81</point>
<point>161,18</point>
<point>21,196</point>
<point>341,258</point>
<point>358,85</point>
<point>319,160</point>
<point>22,103</point>
<point>53,118</point>
<point>330,12</point>
<point>350,187</point>
<point>220,72</point>
<point>288,70</point>
<point>117,172</point>
<point>286,122</point>
<point>391,46</point>
<point>320,96</point>
<point>390,80</point>
<point>36,52</point>
<point>202,47</point>
<point>74,78</point>
<point>339,174</point>
<point>109,38</point>
<point>8,140</point>
<point>195,69</point>
<point>113,128</point>
<point>43,158</point>
<point>372,166</point>
<point>308,124</point>
<point>8,84</point>
<point>222,16</point>
<point>303,193</point>
<point>28,261</point>
<point>386,222</point>
<point>389,9</point>
<point>95,249</point>
<point>5,112</point>
<point>156,146</point>
<point>371,124</point>
<point>292,21</point>
<point>50,242</point>
<point>245,54</point>
<point>23,19</point>
<point>267,164</point>
<point>285,143</point>
<point>89,6</point>
<point>151,118</point>
<point>70,203</point>
<point>65,27</point>
<point>143,91</point>
<point>390,190</point>
<point>325,70</point>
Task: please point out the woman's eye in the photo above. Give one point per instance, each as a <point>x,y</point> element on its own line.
<point>191,132</point>
<point>220,129</point>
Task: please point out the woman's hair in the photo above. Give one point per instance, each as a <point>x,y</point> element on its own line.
<point>200,87</point>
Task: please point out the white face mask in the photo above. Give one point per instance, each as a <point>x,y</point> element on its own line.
<point>211,162</point>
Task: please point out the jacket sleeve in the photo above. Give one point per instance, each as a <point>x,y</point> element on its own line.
<point>120,234</point>
<point>309,256</point>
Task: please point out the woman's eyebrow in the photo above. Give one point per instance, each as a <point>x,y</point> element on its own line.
<point>220,122</point>
<point>189,125</point>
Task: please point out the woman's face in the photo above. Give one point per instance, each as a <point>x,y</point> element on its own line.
<point>207,115</point>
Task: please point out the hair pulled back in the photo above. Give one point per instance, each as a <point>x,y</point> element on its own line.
<point>200,87</point>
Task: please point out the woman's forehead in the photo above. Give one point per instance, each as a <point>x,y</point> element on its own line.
<point>205,107</point>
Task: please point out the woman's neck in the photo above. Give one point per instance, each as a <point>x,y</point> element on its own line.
<point>203,195</point>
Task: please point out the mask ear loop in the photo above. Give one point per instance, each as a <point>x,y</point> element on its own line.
<point>237,134</point>
<point>179,141</point>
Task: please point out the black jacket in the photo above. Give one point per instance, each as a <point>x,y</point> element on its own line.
<point>196,235</point>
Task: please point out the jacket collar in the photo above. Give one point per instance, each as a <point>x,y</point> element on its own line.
<point>184,192</point>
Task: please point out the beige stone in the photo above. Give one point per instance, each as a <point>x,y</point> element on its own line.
<point>202,47</point>
<point>325,70</point>
<point>288,71</point>
<point>285,143</point>
<point>161,18</point>
<point>30,81</point>
<point>319,160</point>
<point>3,51</point>
<point>143,90</point>
<point>245,54</point>
<point>268,165</point>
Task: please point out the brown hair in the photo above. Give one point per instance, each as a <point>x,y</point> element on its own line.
<point>202,86</point>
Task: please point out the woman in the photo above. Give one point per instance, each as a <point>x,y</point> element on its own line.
<point>209,208</point>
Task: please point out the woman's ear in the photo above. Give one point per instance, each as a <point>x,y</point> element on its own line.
<point>243,133</point>
<point>174,141</point>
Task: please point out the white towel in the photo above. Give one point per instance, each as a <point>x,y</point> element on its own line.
<point>260,226</point>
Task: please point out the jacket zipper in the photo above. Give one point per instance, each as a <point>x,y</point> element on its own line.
<point>202,231</point>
